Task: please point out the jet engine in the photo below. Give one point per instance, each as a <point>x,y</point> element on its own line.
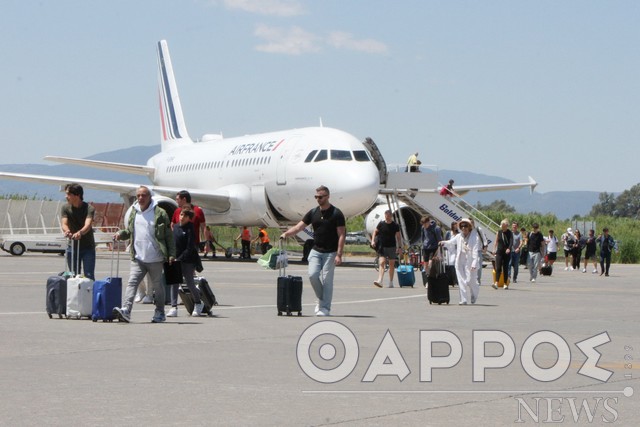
<point>410,217</point>
<point>166,203</point>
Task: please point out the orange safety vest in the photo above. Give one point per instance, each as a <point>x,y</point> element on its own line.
<point>265,236</point>
<point>246,234</point>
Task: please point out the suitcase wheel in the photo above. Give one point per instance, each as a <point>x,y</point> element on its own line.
<point>50,316</point>
<point>299,313</point>
<point>279,313</point>
<point>94,320</point>
<point>288,313</point>
<point>430,303</point>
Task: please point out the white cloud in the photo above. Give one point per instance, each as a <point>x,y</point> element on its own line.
<point>343,40</point>
<point>267,7</point>
<point>294,41</point>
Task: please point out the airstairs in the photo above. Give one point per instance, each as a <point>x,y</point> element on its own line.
<point>419,191</point>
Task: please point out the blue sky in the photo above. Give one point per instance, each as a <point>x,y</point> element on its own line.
<point>506,88</point>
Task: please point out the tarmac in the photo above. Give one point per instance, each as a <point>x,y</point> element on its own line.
<point>384,357</point>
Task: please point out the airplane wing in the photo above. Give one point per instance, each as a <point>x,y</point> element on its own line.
<point>119,167</point>
<point>461,190</point>
<point>208,199</point>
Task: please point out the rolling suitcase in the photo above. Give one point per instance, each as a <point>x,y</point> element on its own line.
<point>406,275</point>
<point>289,297</point>
<point>546,269</point>
<point>57,295</point>
<point>56,300</point>
<point>438,284</point>
<point>107,294</point>
<point>79,294</point>
<point>206,296</point>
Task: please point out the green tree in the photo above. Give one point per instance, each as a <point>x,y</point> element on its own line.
<point>606,205</point>
<point>497,206</point>
<point>628,203</point>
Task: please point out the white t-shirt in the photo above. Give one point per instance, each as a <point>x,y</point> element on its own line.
<point>552,243</point>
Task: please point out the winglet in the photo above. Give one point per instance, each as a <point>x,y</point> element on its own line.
<point>532,185</point>
<point>173,128</point>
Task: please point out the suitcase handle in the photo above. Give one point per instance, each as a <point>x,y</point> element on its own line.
<point>113,249</point>
<point>282,268</point>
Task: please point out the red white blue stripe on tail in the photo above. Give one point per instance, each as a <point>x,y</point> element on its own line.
<point>172,123</point>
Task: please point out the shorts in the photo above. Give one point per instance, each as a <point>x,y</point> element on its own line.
<point>590,255</point>
<point>427,254</point>
<point>389,252</point>
<point>567,253</point>
<point>552,256</point>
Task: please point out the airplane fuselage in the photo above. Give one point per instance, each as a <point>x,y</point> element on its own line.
<point>273,176</point>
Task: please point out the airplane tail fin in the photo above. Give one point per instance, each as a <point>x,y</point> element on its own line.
<point>173,128</point>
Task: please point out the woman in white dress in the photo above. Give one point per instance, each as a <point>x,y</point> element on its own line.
<point>466,245</point>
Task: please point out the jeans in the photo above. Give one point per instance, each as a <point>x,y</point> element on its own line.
<point>534,263</point>
<point>514,263</point>
<point>87,261</point>
<point>605,261</point>
<point>137,272</point>
<point>187,271</point>
<point>321,269</point>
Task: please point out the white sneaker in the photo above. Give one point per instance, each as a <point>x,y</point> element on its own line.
<point>494,286</point>
<point>322,313</point>
<point>595,271</point>
<point>138,298</point>
<point>506,287</point>
<point>533,280</point>
<point>147,300</point>
<point>462,303</point>
<point>317,309</point>
<point>173,312</point>
<point>566,269</point>
<point>377,283</point>
<point>572,268</point>
<point>390,285</point>
<point>584,270</point>
<point>197,309</point>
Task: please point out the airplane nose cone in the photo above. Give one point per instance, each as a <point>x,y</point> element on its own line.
<point>356,188</point>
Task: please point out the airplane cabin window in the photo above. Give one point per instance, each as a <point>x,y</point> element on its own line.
<point>322,155</point>
<point>340,155</point>
<point>310,156</point>
<point>361,156</point>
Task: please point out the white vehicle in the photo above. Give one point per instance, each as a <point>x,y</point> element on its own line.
<point>18,244</point>
<point>356,238</point>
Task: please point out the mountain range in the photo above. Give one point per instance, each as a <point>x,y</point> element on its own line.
<point>563,204</point>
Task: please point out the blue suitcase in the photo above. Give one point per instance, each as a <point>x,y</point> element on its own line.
<point>107,294</point>
<point>406,275</point>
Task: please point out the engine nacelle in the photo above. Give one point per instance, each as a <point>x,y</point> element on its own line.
<point>166,203</point>
<point>410,217</point>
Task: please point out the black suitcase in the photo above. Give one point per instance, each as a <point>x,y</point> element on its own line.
<point>206,296</point>
<point>289,290</point>
<point>438,283</point>
<point>546,270</point>
<point>57,295</point>
<point>438,289</point>
<point>289,295</point>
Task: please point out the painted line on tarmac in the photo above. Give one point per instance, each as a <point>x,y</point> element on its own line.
<point>246,307</point>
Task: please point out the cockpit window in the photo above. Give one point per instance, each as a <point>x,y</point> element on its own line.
<point>361,156</point>
<point>310,156</point>
<point>340,155</point>
<point>322,155</point>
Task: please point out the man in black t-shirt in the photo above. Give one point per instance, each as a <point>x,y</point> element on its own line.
<point>534,245</point>
<point>389,243</point>
<point>328,233</point>
<point>77,224</point>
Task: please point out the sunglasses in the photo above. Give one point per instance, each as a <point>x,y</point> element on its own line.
<point>319,197</point>
<point>464,226</point>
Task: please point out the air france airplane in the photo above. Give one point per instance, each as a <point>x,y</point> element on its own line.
<point>267,179</point>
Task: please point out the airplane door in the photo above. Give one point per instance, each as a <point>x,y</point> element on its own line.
<point>281,169</point>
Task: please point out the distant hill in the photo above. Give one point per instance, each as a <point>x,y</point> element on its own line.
<point>564,204</point>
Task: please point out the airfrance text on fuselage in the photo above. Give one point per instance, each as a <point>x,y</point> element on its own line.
<point>258,147</point>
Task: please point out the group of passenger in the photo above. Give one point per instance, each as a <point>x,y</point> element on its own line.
<point>574,243</point>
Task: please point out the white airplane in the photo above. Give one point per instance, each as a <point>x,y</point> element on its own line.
<point>266,179</point>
